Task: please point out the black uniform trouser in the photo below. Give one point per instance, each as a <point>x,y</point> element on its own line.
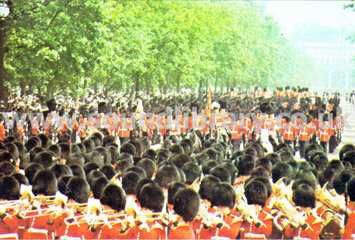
<point>332,144</point>
<point>236,144</point>
<point>290,144</point>
<point>325,146</point>
<point>303,145</point>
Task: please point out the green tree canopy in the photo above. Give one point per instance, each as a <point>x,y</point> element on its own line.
<point>145,45</point>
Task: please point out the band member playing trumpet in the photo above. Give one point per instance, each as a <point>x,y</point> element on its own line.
<point>257,223</point>
<point>114,198</point>
<point>186,206</point>
<point>151,198</point>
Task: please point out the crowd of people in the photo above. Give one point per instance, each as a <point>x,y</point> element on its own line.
<point>176,166</point>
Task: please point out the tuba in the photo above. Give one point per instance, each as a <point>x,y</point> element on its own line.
<point>286,213</point>
<point>280,190</point>
<point>333,214</point>
<point>332,201</point>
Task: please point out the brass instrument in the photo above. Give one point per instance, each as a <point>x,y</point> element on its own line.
<point>196,184</point>
<point>334,215</point>
<point>280,190</point>
<point>288,214</point>
<point>332,201</point>
<point>116,179</point>
<point>248,212</point>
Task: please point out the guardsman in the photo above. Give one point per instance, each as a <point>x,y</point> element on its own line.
<point>78,192</point>
<point>304,136</point>
<point>162,127</point>
<point>9,222</point>
<point>35,126</point>
<point>349,230</point>
<point>114,198</point>
<point>237,135</point>
<point>324,133</point>
<point>125,129</point>
<point>309,225</point>
<point>36,227</point>
<point>257,224</point>
<point>2,131</point>
<point>150,226</point>
<point>224,200</point>
<point>186,206</point>
<point>290,133</point>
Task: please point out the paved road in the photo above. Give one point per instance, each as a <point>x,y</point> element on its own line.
<point>348,135</point>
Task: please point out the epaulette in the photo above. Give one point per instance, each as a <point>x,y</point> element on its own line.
<point>317,218</point>
<point>268,215</point>
<point>157,225</point>
<point>236,219</point>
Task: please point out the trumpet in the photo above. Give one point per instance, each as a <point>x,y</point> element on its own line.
<point>111,218</point>
<point>27,194</point>
<point>9,202</point>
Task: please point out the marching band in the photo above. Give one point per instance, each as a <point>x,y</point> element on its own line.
<point>212,178</point>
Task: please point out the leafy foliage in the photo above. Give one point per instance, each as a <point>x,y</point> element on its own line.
<point>145,45</point>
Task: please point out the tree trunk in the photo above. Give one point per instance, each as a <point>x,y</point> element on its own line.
<point>49,92</point>
<point>167,81</point>
<point>95,86</point>
<point>222,86</point>
<point>137,83</point>
<point>3,90</point>
<point>147,85</point>
<point>200,87</point>
<point>39,91</point>
<point>84,95</point>
<point>161,86</point>
<point>22,88</point>
<point>216,82</point>
<point>178,78</point>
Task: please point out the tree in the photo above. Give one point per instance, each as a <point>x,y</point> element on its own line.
<point>137,46</point>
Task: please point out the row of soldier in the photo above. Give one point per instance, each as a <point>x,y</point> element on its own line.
<point>263,120</point>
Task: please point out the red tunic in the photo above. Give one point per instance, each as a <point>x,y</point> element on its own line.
<point>151,229</point>
<point>9,226</point>
<point>324,134</point>
<point>116,230</point>
<point>36,225</point>
<point>290,133</point>
<point>253,230</point>
<point>230,228</point>
<point>305,133</point>
<point>311,231</point>
<point>349,231</point>
<point>237,131</point>
<point>182,231</point>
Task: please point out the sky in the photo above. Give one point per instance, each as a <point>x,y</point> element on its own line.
<point>289,14</point>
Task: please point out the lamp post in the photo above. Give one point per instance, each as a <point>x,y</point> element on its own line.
<point>4,12</point>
